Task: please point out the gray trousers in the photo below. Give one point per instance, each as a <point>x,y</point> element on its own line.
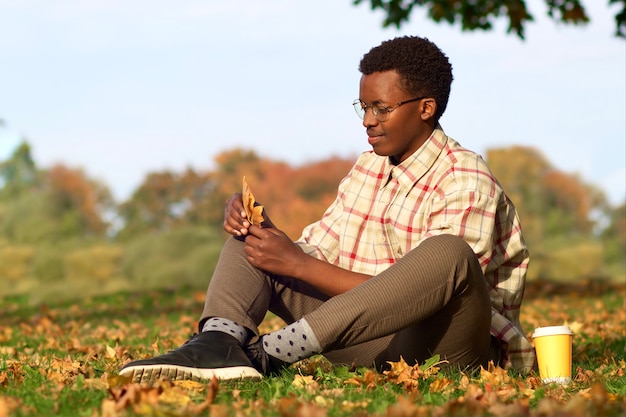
<point>434,300</point>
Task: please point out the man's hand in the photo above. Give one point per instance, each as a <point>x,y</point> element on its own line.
<point>235,220</point>
<point>273,251</point>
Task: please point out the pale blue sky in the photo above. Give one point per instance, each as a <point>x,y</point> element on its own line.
<point>122,88</point>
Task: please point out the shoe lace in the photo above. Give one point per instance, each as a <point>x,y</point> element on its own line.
<point>262,361</point>
<point>258,357</point>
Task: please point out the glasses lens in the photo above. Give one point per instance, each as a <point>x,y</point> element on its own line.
<point>359,108</point>
<point>381,112</point>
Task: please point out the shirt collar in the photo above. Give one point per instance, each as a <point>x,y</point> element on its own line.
<point>409,171</point>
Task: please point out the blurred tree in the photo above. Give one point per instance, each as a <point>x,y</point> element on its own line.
<point>315,188</point>
<point>63,205</point>
<point>18,174</point>
<point>521,170</point>
<point>163,200</point>
<point>560,214</point>
<point>570,204</point>
<point>149,207</point>
<point>293,197</point>
<point>550,202</point>
<point>319,180</point>
<point>194,190</point>
<point>27,220</point>
<point>481,14</point>
<point>80,202</point>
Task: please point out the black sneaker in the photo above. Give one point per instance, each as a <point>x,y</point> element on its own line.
<point>264,362</point>
<point>204,356</point>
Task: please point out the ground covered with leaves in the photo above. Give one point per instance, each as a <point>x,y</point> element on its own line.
<point>64,360</point>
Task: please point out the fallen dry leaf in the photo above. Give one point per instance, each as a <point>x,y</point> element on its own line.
<point>8,404</point>
<point>110,352</point>
<point>309,384</point>
<point>253,212</point>
<point>369,380</point>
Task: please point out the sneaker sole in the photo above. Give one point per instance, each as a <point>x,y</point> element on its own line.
<point>151,373</point>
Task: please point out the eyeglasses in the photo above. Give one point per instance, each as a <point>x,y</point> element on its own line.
<point>379,111</point>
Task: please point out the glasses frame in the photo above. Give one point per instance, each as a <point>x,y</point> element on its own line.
<point>376,112</point>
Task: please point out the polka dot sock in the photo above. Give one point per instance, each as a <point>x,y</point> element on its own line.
<point>218,324</point>
<point>292,343</point>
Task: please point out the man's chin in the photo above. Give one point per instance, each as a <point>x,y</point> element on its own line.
<point>380,151</point>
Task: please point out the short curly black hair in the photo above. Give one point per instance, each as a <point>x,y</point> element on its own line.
<point>423,67</point>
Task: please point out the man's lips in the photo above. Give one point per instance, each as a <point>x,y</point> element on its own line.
<point>373,137</point>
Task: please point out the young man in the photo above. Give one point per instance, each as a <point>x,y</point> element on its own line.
<point>420,254</point>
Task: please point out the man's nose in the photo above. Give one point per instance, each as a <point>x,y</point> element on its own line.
<point>368,118</point>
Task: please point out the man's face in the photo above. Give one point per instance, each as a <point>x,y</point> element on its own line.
<point>406,127</point>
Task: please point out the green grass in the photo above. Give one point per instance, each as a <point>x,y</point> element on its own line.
<point>62,359</point>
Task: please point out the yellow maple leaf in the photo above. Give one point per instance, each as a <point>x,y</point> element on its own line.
<point>175,396</point>
<point>398,367</point>
<point>443,385</point>
<point>93,383</point>
<point>494,375</point>
<point>188,385</point>
<point>253,212</point>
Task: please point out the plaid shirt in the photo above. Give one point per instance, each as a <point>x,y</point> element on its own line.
<point>383,211</point>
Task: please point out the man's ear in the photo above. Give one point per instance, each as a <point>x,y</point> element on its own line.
<point>428,109</point>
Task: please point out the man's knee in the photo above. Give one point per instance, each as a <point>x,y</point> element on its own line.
<point>450,247</point>
<point>457,258</point>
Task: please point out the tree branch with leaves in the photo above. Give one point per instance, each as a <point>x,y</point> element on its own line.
<point>475,15</point>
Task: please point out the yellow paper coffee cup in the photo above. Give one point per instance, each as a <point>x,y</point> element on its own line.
<point>553,345</point>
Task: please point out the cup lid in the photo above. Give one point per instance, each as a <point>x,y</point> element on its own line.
<point>552,330</point>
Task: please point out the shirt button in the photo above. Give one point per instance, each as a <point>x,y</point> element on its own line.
<point>382,239</point>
